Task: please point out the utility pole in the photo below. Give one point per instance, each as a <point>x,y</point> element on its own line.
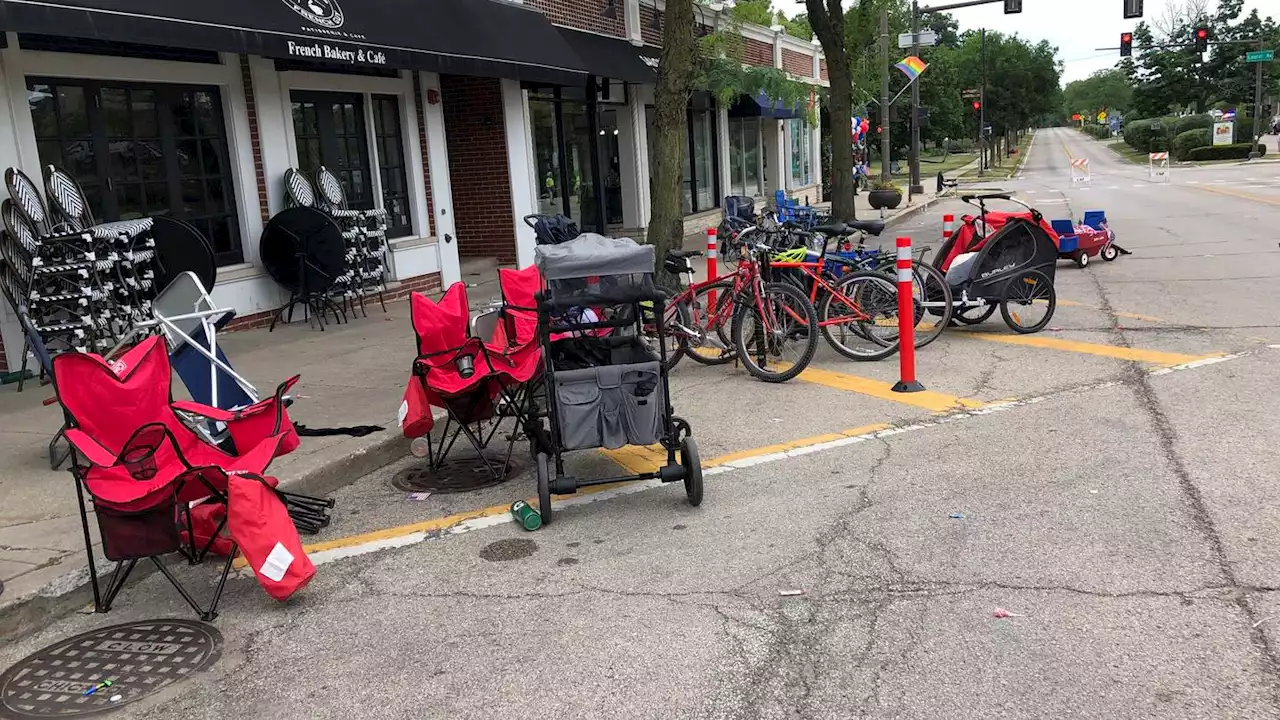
<point>884,95</point>
<point>915,187</point>
<point>982,107</point>
<point>1257,107</point>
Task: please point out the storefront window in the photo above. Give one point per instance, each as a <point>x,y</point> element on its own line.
<point>577,146</point>
<point>563,142</point>
<point>329,130</point>
<point>139,150</point>
<point>546,156</point>
<point>391,162</point>
<point>703,153</point>
<point>744,157</point>
<point>800,141</point>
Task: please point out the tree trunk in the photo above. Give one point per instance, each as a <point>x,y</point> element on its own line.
<point>670,141</point>
<point>828,24</point>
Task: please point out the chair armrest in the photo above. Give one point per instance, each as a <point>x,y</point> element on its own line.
<point>91,449</point>
<point>205,411</point>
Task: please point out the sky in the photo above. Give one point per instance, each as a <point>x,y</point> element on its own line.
<point>1076,27</point>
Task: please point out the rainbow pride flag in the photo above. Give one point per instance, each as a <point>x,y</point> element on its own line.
<point>911,66</point>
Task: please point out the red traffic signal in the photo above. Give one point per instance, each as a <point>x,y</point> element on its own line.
<point>1202,39</point>
<point>1126,44</point>
<point>977,105</point>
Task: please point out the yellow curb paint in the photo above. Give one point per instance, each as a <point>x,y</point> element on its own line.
<point>1157,357</point>
<point>793,444</point>
<point>929,400</point>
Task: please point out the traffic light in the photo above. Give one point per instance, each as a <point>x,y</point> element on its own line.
<point>1012,6</point>
<point>1126,44</point>
<point>1202,39</point>
<point>977,105</point>
<point>1132,9</point>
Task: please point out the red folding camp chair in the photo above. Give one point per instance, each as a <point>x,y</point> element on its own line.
<point>476,380</point>
<point>144,468</point>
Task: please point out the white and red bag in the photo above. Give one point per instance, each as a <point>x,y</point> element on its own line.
<point>260,524</point>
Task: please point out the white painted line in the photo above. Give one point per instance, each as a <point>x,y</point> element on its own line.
<point>1193,182</point>
<point>326,556</point>
<point>1032,192</point>
<point>1139,185</point>
<point>1113,187</point>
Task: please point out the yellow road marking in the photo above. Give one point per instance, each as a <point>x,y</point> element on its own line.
<point>1238,194</point>
<point>1157,357</point>
<point>929,400</point>
<point>630,458</point>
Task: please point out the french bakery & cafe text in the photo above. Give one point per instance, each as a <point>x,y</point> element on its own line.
<point>333,53</point>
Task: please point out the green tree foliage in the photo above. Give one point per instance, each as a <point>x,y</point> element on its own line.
<point>1104,90</point>
<point>760,12</point>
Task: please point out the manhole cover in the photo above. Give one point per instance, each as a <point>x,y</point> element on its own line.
<point>466,473</point>
<point>138,658</point>
<point>504,550</point>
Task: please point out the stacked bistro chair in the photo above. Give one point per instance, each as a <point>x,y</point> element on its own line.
<point>303,249</point>
<point>479,375</point>
<point>159,487</point>
<point>365,235</point>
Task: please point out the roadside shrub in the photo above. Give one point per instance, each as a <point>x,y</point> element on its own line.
<point>1192,122</point>
<point>1100,132</point>
<point>1187,141</point>
<point>1238,151</point>
<point>961,144</point>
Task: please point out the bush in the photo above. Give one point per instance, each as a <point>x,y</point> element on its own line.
<point>1187,141</point>
<point>1192,122</point>
<point>1238,151</point>
<point>1101,132</point>
<point>961,145</point>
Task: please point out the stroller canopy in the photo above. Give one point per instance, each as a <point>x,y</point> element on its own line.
<point>593,269</point>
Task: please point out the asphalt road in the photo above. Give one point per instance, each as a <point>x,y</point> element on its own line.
<point>1106,486</point>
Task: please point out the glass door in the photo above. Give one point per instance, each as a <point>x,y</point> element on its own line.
<point>329,130</point>
<point>610,165</point>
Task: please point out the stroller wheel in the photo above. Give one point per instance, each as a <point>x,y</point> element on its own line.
<point>692,470</point>
<point>544,489</point>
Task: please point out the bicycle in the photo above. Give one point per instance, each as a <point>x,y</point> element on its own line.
<point>698,311</point>
<point>770,318</point>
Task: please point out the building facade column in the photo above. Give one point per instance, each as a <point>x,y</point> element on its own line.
<point>775,156</point>
<point>13,111</point>
<point>441,189</point>
<point>724,146</point>
<point>632,22</point>
<point>520,167</point>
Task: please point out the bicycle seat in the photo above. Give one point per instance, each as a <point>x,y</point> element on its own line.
<point>684,253</point>
<point>870,227</point>
<point>834,228</point>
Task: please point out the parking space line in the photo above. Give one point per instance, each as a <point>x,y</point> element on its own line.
<point>1156,357</point>
<point>929,400</point>
<point>1241,195</point>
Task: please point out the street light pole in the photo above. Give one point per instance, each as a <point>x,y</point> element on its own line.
<point>884,95</point>
<point>915,188</point>
<point>982,105</point>
<point>1257,107</point>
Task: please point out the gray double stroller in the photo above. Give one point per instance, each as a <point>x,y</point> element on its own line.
<point>603,387</point>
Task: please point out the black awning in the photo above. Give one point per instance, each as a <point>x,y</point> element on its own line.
<point>608,57</point>
<point>463,37</point>
<point>762,106</point>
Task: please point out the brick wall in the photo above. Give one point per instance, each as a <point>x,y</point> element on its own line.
<point>478,167</point>
<point>758,53</point>
<point>423,283</point>
<point>585,15</point>
<point>422,145</point>
<point>797,63</point>
<point>650,31</point>
<point>822,66</point>
<point>255,141</point>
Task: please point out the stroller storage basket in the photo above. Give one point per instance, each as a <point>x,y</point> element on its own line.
<point>610,406</point>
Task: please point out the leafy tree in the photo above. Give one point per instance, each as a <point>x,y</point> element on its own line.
<point>760,12</point>
<point>1103,90</point>
<point>828,22</point>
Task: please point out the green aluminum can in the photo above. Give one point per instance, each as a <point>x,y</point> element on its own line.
<point>524,514</point>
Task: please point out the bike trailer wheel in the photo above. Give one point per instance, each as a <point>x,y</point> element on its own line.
<point>1029,302</point>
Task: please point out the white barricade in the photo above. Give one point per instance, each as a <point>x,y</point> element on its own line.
<point>1158,166</point>
<point>1080,171</point>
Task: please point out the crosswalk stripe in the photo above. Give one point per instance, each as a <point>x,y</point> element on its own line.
<point>1193,182</point>
<point>1157,357</point>
<point>929,400</point>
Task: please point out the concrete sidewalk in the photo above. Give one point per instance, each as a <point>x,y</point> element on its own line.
<point>352,374</point>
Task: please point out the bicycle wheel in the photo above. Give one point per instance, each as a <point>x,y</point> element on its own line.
<point>968,317</point>
<point>931,296</point>
<point>712,343</point>
<point>860,319</point>
<point>1033,301</point>
<point>676,323</point>
<point>783,332</point>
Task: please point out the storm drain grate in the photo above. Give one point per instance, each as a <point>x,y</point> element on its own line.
<point>139,659</point>
<point>464,474</point>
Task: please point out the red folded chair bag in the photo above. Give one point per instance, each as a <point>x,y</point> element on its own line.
<point>260,525</point>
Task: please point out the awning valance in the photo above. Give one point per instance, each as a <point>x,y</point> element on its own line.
<point>611,58</point>
<point>762,106</point>
<point>463,37</point>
